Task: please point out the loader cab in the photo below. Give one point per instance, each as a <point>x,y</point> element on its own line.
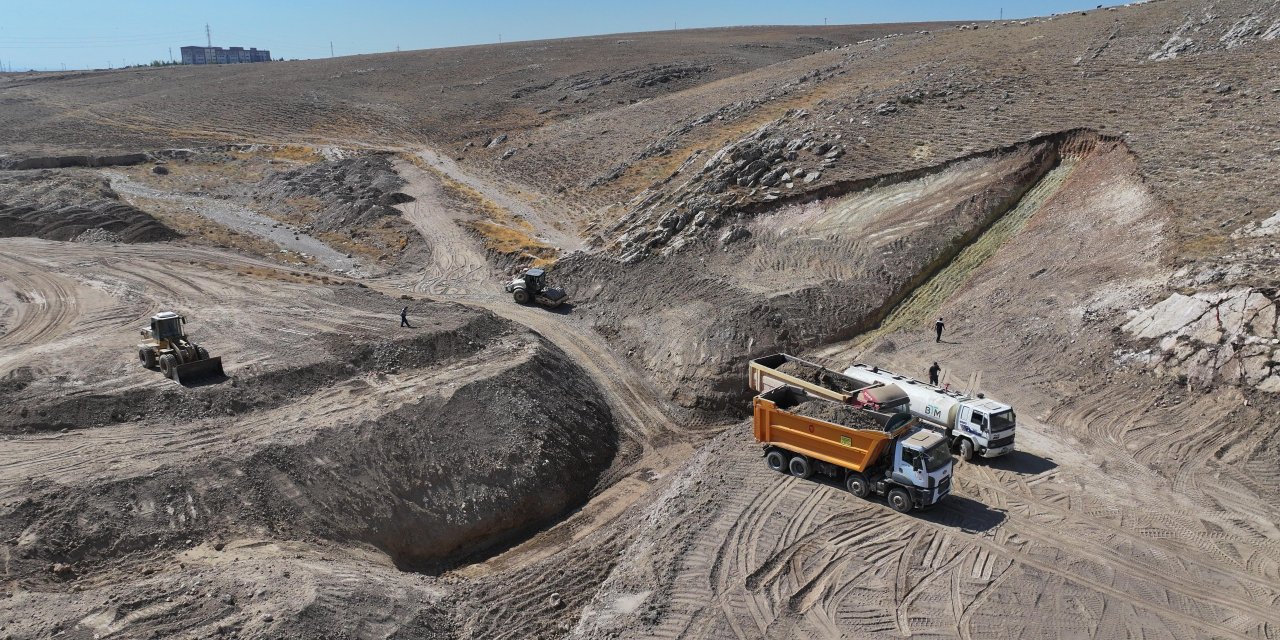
<point>166,325</point>
<point>535,280</point>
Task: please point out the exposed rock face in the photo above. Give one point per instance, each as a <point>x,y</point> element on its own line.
<point>1209,337</point>
<point>772,157</point>
<point>1208,31</point>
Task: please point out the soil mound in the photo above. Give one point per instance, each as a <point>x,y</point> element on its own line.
<point>349,202</point>
<point>70,207</point>
<point>836,413</point>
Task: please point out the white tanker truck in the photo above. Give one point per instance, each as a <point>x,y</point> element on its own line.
<point>974,425</point>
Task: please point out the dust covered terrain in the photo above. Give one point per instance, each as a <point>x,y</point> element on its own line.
<point>1089,200</point>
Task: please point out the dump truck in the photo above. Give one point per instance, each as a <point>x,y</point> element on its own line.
<point>974,425</point>
<point>165,346</point>
<point>532,286</point>
<point>781,369</point>
<point>886,454</point>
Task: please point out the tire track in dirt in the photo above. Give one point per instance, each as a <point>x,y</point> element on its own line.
<point>46,304</point>
<point>566,242</point>
<point>457,265</point>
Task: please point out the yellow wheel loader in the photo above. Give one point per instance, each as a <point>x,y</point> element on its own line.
<point>165,346</point>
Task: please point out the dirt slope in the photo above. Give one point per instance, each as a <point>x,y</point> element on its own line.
<point>443,95</point>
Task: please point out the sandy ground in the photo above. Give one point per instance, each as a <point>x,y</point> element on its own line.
<point>507,471</point>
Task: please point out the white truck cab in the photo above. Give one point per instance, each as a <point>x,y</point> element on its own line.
<point>922,461</point>
<point>974,425</point>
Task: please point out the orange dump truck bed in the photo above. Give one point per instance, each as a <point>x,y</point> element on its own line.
<point>848,447</point>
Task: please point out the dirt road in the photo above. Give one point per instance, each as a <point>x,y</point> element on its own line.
<point>244,220</point>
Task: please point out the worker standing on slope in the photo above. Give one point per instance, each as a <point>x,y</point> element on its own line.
<point>404,318</point>
<point>933,374</point>
<point>938,327</point>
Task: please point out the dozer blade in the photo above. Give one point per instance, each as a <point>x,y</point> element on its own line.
<point>197,370</point>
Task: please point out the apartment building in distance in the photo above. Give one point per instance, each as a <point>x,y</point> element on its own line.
<point>219,55</point>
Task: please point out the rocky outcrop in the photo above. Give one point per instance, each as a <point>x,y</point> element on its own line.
<point>1211,337</point>
<point>767,161</point>
<point>1209,30</point>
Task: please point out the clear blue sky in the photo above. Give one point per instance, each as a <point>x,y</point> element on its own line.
<point>47,34</point>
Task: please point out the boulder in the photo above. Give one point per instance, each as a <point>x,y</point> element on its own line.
<point>733,234</point>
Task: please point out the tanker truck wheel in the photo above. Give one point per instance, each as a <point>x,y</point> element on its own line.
<point>800,467</point>
<point>776,460</point>
<point>966,450</point>
<point>899,500</point>
<point>857,484</point>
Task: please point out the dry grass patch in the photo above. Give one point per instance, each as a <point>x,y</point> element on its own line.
<point>296,153</point>
<point>515,243</point>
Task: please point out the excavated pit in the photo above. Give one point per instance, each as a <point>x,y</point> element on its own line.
<point>435,450</point>
<point>812,272</point>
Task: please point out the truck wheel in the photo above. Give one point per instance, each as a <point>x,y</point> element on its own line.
<point>201,353</point>
<point>800,467</point>
<point>966,450</point>
<point>777,461</point>
<point>148,358</point>
<point>168,364</point>
<point>857,484</point>
<point>899,500</point>
<point>521,296</point>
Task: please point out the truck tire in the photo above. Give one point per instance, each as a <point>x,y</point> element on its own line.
<point>800,467</point>
<point>148,358</point>
<point>776,460</point>
<point>521,296</point>
<point>201,353</point>
<point>168,364</point>
<point>899,500</point>
<point>966,449</point>
<point>857,484</point>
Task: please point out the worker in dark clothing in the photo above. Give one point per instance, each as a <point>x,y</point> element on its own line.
<point>933,374</point>
<point>938,327</point>
<point>404,318</point>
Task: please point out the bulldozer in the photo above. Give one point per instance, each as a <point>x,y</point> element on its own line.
<point>531,286</point>
<point>165,346</point>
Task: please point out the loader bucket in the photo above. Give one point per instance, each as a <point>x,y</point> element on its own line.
<point>200,369</point>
